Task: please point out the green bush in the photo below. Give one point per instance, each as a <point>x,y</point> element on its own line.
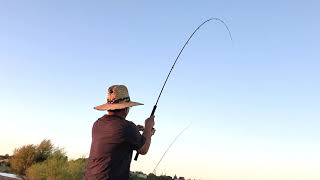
<point>27,155</point>
<point>37,172</point>
<point>45,162</point>
<point>76,168</point>
<point>52,168</point>
<point>57,167</point>
<point>44,150</point>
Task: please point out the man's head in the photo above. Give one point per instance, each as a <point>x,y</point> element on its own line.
<point>118,100</point>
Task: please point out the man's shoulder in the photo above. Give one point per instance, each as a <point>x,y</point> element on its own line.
<point>130,123</point>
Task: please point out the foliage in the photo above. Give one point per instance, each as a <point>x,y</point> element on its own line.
<point>28,155</point>
<point>47,162</point>
<point>57,167</point>
<point>76,168</point>
<point>52,168</point>
<point>154,177</point>
<point>165,178</point>
<point>23,158</point>
<point>44,150</point>
<point>135,175</point>
<point>5,168</point>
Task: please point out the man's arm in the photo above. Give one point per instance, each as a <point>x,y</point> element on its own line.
<point>147,133</point>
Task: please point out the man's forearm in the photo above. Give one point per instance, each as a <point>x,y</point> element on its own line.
<point>147,133</point>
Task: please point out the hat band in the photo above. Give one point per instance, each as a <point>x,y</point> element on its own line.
<point>125,99</point>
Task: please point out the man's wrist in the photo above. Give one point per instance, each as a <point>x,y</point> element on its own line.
<point>147,131</point>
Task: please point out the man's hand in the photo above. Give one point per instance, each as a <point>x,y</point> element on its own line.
<point>149,123</point>
<point>141,128</point>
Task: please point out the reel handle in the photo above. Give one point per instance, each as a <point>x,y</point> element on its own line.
<point>152,113</point>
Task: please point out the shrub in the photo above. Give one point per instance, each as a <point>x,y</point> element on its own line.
<point>23,158</point>
<point>76,168</point>
<point>44,150</point>
<point>52,168</point>
<point>27,155</point>
<point>57,167</point>
<point>46,162</point>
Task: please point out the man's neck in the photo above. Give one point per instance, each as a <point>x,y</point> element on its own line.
<point>122,115</point>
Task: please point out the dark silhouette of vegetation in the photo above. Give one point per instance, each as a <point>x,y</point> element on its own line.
<point>154,177</point>
<point>4,163</point>
<point>141,176</point>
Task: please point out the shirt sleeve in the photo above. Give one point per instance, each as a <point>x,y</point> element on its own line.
<point>133,137</point>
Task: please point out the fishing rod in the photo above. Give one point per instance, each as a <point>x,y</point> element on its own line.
<point>165,82</point>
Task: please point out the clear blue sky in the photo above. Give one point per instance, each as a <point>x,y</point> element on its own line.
<point>254,105</point>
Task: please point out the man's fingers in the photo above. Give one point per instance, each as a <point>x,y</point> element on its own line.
<point>140,128</point>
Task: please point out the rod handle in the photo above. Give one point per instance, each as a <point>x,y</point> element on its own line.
<point>136,157</point>
<point>153,110</point>
<point>152,113</point>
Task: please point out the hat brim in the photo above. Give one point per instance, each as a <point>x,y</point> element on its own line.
<point>122,105</point>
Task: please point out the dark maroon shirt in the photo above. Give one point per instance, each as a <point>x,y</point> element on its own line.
<point>113,141</point>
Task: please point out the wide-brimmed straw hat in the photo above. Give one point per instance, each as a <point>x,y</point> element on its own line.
<point>117,98</point>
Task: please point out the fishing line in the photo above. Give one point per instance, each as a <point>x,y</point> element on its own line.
<point>174,140</point>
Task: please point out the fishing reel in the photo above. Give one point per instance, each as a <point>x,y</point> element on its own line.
<point>141,128</point>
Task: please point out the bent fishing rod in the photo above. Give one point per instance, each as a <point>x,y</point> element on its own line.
<point>165,82</point>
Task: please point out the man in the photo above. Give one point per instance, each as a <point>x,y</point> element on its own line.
<point>114,138</point>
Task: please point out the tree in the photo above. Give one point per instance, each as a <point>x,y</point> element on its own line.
<point>23,158</point>
<point>44,150</point>
<point>152,176</point>
<point>27,155</point>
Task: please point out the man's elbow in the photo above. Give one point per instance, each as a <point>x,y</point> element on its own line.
<point>143,151</point>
